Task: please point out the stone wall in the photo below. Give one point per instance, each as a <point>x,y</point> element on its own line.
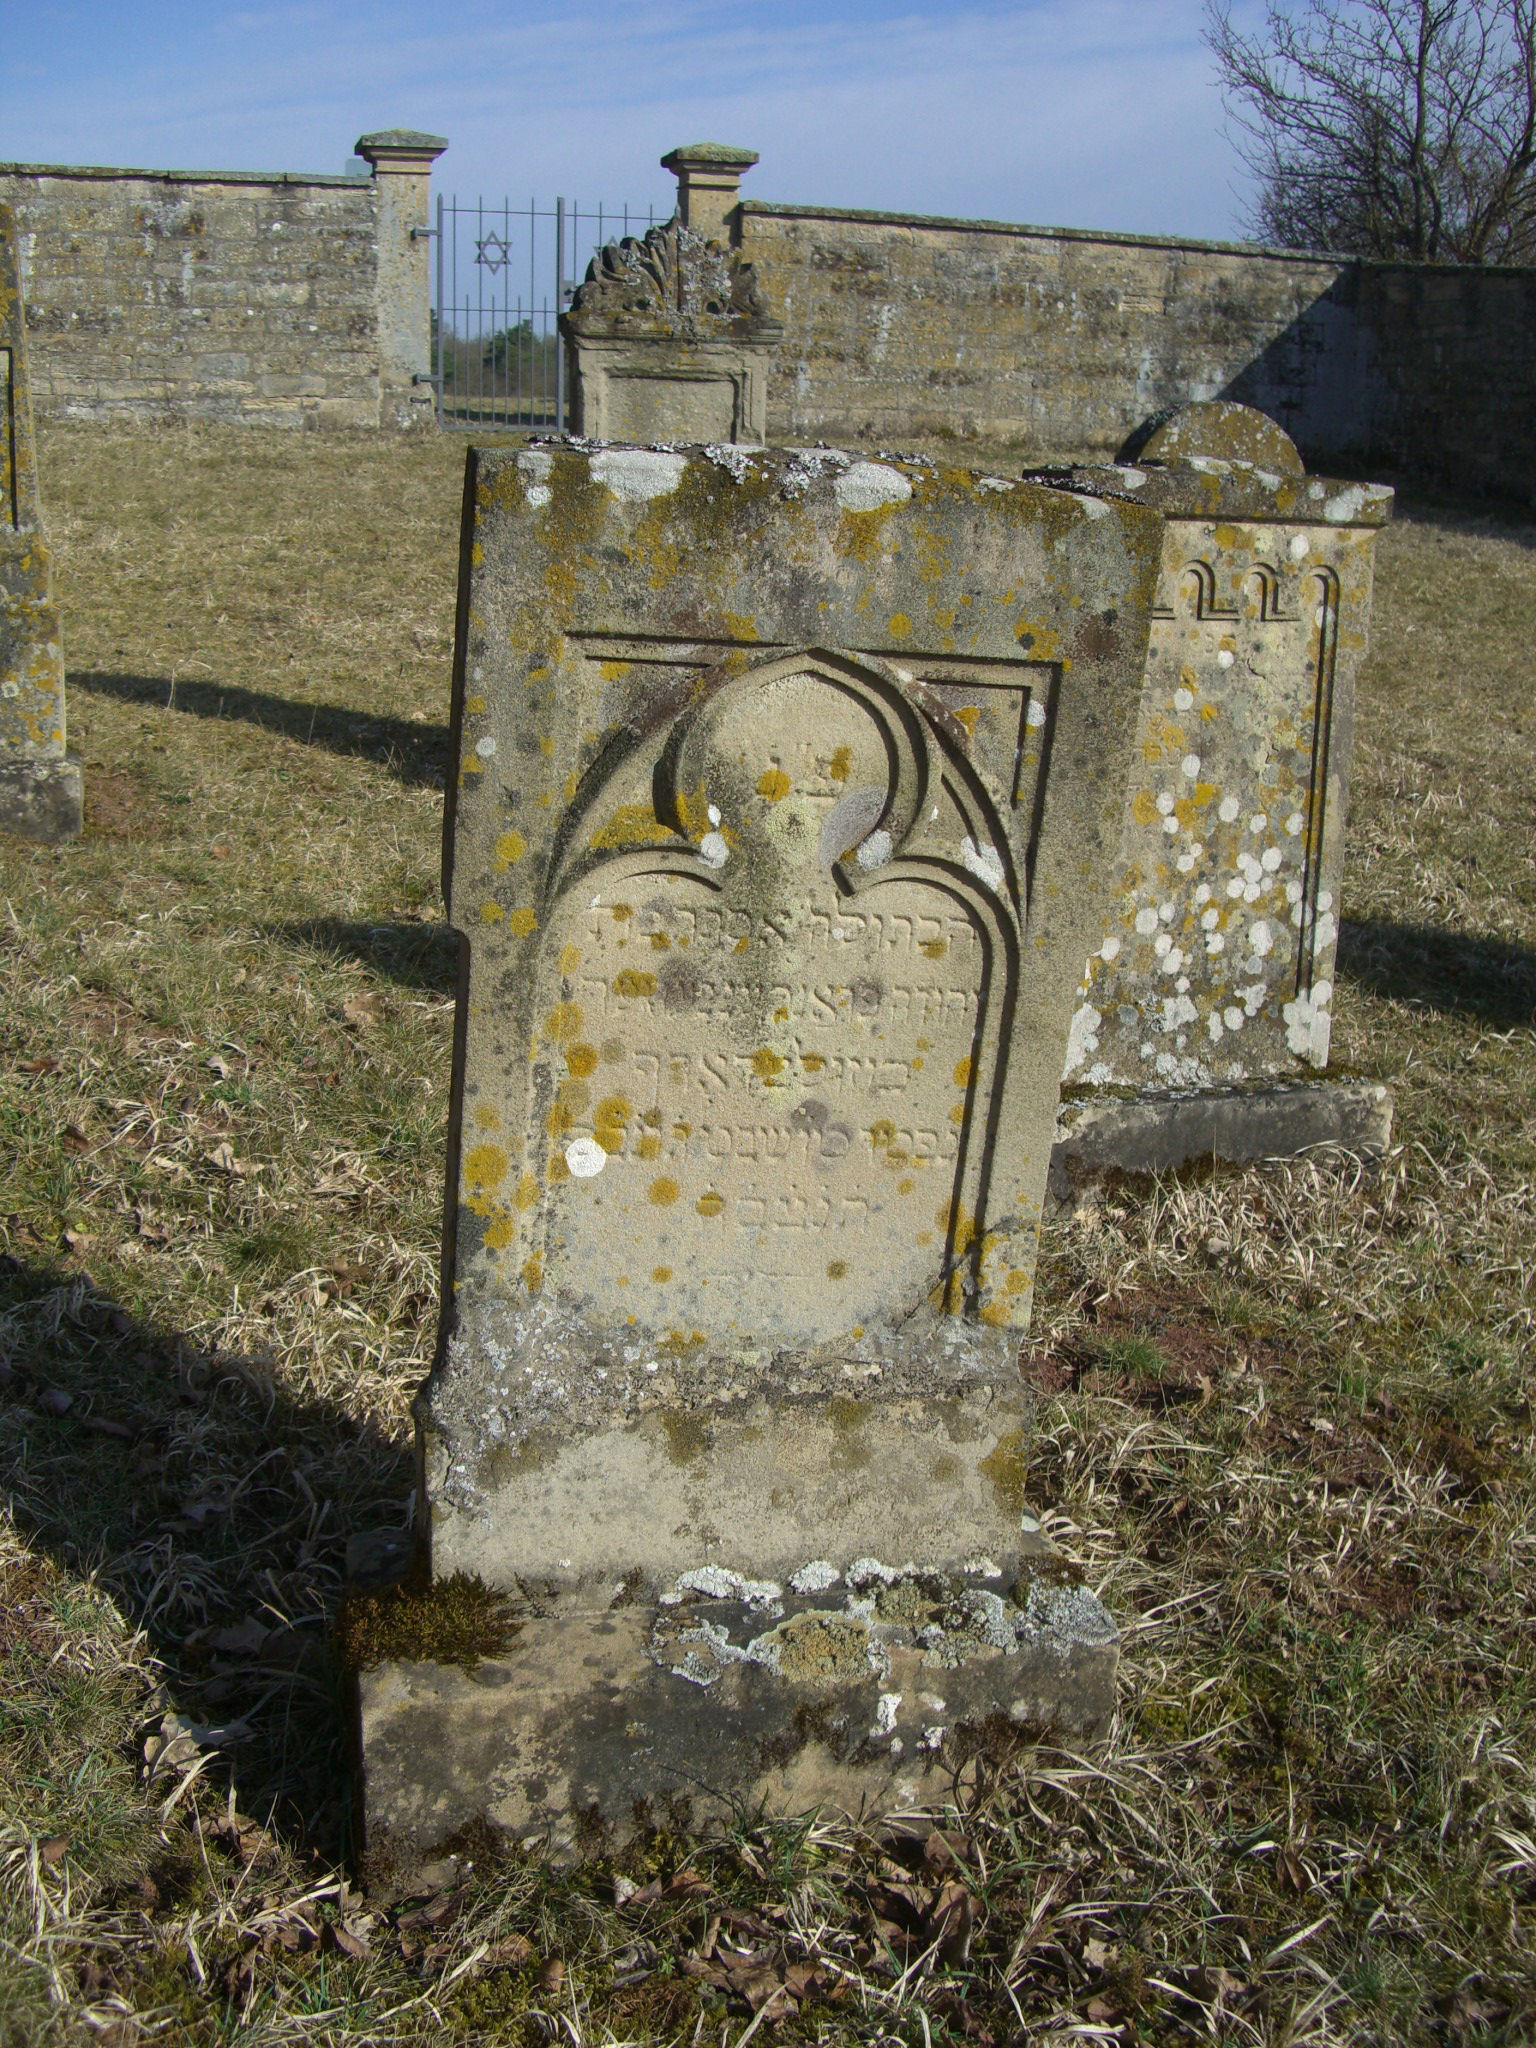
<point>901,328</point>
<point>276,300</point>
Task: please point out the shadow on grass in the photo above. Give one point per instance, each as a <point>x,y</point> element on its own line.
<point>423,956</point>
<point>1488,979</point>
<point>214,1507</point>
<point>416,753</point>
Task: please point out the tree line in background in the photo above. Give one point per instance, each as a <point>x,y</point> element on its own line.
<point>518,360</point>
<point>1390,128</point>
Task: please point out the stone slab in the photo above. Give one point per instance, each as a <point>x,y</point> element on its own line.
<point>1145,1134</point>
<point>785,785</point>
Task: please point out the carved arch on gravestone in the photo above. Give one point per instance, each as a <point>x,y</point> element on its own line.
<point>1194,594</point>
<point>909,839</point>
<point>1261,595</point>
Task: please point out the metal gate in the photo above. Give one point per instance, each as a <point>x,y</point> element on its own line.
<point>504,275</point>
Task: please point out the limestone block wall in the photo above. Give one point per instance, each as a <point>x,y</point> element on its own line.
<point>259,299</point>
<point>1450,372</point>
<point>896,325</point>
<point>901,327</point>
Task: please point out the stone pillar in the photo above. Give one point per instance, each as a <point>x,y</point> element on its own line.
<point>40,792</point>
<point>402,162</point>
<point>708,178</point>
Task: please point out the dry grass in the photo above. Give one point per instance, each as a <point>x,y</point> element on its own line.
<point>1286,1418</point>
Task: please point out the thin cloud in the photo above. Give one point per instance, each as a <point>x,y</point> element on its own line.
<point>1099,114</point>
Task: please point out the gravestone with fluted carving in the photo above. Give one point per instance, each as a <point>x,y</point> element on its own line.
<point>40,785</point>
<point>1204,1021</point>
<point>669,337</point>
<point>785,787</point>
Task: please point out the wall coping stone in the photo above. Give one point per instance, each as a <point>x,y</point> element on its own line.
<point>1116,237</point>
<point>348,178</point>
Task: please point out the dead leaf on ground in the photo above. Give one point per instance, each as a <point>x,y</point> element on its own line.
<point>223,1160</point>
<point>364,1011</point>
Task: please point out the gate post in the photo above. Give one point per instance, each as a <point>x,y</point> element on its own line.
<point>401,160</point>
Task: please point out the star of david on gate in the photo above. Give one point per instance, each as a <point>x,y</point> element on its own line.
<point>492,251</point>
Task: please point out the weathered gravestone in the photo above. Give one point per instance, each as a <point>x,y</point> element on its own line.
<point>1203,1023</point>
<point>40,791</point>
<point>669,337</point>
<point>785,788</point>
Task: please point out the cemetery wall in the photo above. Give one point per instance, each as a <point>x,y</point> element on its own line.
<point>899,327</point>
<point>203,296</point>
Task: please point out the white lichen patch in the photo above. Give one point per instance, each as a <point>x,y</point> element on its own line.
<point>1308,1025</point>
<point>585,1158</point>
<point>1083,1038</point>
<point>875,851</point>
<point>1346,505</point>
<point>984,863</point>
<point>715,1582</point>
<point>814,1577</point>
<point>638,474</point>
<point>734,457</point>
<point>887,1707</point>
<point>866,486</point>
<point>713,849</point>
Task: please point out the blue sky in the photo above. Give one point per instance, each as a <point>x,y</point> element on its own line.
<point>1102,113</point>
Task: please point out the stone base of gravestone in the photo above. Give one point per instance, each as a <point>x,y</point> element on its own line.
<point>869,1693</point>
<point>43,801</point>
<point>40,784</point>
<point>786,784</point>
<point>1205,1009</point>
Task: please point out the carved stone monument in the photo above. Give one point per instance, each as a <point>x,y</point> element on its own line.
<point>40,788</point>
<point>786,785</point>
<point>669,337</point>
<point>1203,1024</point>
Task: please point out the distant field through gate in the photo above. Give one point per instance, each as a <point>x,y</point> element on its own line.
<point>504,274</point>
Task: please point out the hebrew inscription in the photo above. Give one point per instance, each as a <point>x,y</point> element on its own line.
<point>759,1065</point>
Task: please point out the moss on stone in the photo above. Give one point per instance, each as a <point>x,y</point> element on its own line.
<point>457,1620</point>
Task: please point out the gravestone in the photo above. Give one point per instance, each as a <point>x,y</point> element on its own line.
<point>669,337</point>
<point>1203,1025</point>
<point>785,787</point>
<point>40,790</point>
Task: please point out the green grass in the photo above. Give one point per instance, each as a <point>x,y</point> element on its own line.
<point>1285,1417</point>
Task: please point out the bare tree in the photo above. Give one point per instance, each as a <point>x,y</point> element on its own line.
<point>1396,128</point>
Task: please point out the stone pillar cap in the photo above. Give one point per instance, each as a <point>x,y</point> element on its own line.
<point>399,147</point>
<point>707,156</point>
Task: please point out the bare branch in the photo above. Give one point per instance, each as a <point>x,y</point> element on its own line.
<point>1395,128</point>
